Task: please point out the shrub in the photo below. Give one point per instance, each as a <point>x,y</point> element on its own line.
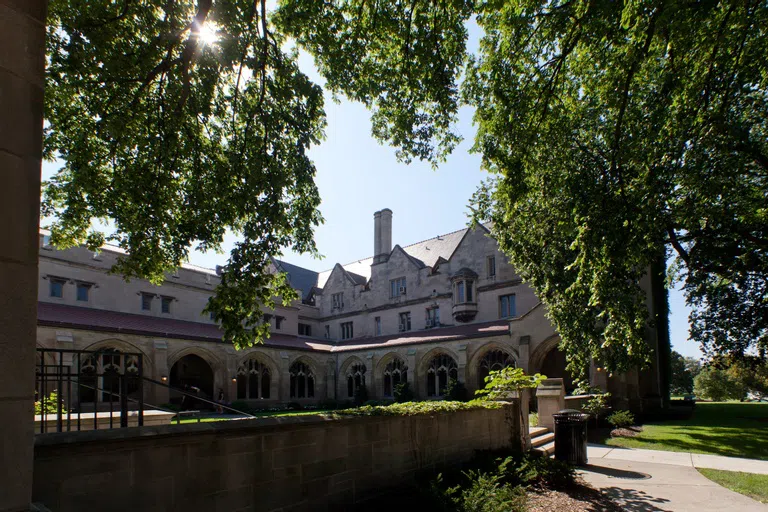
<point>597,405</point>
<point>361,395</point>
<point>415,408</point>
<point>533,419</point>
<point>544,472</point>
<point>49,404</point>
<point>455,391</point>
<point>621,419</point>
<point>293,406</point>
<point>487,493</point>
<point>378,403</point>
<point>403,392</point>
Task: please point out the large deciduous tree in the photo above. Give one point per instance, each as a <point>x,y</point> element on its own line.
<point>617,132</point>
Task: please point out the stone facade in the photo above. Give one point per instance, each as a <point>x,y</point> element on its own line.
<point>299,463</point>
<point>447,307</point>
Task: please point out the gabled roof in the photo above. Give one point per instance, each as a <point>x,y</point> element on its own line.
<point>426,253</point>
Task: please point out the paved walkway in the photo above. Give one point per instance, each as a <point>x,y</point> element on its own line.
<point>658,481</point>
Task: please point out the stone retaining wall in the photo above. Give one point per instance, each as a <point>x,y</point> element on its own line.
<point>294,463</point>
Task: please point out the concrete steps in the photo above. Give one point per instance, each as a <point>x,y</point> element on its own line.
<point>542,441</point>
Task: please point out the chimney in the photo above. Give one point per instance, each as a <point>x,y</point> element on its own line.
<point>382,235</point>
<point>376,236</point>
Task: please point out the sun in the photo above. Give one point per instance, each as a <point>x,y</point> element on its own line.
<point>208,34</point>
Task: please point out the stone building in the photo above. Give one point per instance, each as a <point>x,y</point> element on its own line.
<point>447,307</point>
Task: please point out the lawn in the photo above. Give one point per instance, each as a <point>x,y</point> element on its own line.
<point>733,429</point>
<point>263,414</point>
<point>748,484</point>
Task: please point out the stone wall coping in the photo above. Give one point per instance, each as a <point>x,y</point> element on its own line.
<point>234,427</point>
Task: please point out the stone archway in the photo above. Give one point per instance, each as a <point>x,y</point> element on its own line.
<point>192,373</point>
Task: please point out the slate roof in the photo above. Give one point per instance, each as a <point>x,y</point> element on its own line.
<point>74,317</point>
<point>425,254</point>
<point>300,278</point>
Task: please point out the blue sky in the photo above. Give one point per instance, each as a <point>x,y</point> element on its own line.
<point>357,176</point>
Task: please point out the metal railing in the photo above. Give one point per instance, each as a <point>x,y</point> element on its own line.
<point>103,389</point>
<point>70,382</point>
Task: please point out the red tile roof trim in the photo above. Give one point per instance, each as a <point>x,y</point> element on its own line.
<point>73,317</point>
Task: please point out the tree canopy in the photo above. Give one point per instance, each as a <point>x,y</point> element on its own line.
<point>615,132</point>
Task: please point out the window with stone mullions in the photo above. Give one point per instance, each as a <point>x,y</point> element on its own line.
<point>346,330</point>
<point>433,317</point>
<point>405,321</point>
<point>397,287</point>
<point>337,300</point>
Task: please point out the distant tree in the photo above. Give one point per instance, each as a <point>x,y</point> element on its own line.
<point>717,384</point>
<point>684,369</point>
<point>750,371</point>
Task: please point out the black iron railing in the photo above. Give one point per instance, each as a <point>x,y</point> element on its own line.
<point>77,386</point>
<point>88,390</point>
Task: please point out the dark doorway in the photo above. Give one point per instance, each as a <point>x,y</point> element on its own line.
<point>553,367</point>
<point>193,374</point>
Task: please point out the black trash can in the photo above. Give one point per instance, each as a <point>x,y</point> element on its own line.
<point>571,436</point>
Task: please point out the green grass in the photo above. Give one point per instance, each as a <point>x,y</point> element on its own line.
<point>748,484</point>
<point>263,414</point>
<point>733,429</point>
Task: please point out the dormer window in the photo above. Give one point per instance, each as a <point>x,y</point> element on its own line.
<point>337,301</point>
<point>397,287</point>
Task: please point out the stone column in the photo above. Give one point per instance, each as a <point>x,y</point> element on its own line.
<point>550,396</point>
<point>159,394</point>
<point>22,61</point>
<point>524,353</point>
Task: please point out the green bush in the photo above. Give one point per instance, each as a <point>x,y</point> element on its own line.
<point>455,391</point>
<point>621,419</point>
<point>48,405</point>
<point>416,408</point>
<point>544,472</point>
<point>597,405</point>
<point>486,492</point>
<point>403,392</point>
<point>294,406</point>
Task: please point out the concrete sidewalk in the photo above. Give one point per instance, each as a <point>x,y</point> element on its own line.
<point>658,481</point>
<point>692,460</point>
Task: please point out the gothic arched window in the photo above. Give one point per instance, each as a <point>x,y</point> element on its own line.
<point>396,372</point>
<point>493,360</point>
<point>253,380</point>
<point>355,378</point>
<point>442,368</point>
<point>302,381</point>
